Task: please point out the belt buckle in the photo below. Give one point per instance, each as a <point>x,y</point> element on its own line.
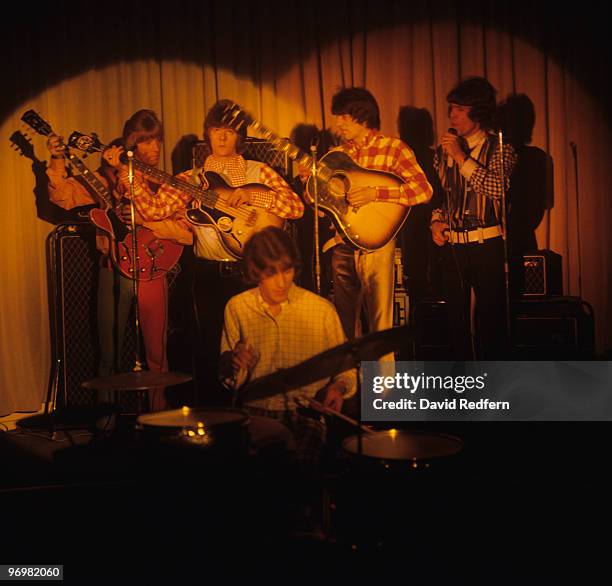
<point>224,269</point>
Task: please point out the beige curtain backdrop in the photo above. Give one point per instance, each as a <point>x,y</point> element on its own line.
<point>82,68</point>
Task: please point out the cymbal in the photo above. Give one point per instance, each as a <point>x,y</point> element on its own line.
<point>192,417</point>
<point>328,363</point>
<point>137,381</point>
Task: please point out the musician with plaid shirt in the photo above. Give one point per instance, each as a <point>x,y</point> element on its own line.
<point>466,222</point>
<point>364,277</point>
<point>217,274</point>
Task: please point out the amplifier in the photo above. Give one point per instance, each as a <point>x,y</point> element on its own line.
<point>556,328</point>
<point>256,150</point>
<point>431,335</point>
<point>537,274</point>
<point>559,328</point>
<point>73,280</point>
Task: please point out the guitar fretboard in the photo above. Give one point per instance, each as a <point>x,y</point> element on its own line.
<point>204,196</point>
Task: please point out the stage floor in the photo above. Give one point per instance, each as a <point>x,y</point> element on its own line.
<point>519,506</point>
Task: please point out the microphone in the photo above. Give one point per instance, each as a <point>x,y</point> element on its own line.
<point>449,160</point>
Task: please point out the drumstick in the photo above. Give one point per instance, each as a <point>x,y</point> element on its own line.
<point>327,411</point>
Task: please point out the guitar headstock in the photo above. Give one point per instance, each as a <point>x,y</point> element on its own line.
<point>235,117</point>
<point>22,144</point>
<point>37,123</point>
<point>89,143</point>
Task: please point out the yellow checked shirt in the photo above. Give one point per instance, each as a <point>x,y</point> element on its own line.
<point>307,325</point>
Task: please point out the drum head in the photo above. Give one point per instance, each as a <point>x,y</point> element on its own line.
<point>404,445</point>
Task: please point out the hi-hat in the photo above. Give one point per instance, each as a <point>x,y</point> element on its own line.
<point>329,363</point>
<point>137,381</point>
<point>192,417</point>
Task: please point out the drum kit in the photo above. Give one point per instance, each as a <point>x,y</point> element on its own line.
<point>206,426</point>
<point>373,468</point>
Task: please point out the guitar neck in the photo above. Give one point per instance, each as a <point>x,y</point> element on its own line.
<point>204,196</point>
<point>294,152</point>
<point>98,187</point>
<point>90,143</point>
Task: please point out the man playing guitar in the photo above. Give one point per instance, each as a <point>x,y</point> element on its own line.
<point>142,133</point>
<point>218,273</point>
<point>362,276</point>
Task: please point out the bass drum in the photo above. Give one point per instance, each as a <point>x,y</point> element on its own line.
<point>393,485</point>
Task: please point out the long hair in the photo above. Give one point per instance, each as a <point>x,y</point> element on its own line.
<point>359,103</point>
<point>267,249</point>
<point>478,93</point>
<point>142,126</point>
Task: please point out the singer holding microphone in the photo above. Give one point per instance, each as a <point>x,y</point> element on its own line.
<point>466,222</point>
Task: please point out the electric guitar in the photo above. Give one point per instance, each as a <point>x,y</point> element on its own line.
<point>234,225</point>
<point>367,227</point>
<point>155,257</point>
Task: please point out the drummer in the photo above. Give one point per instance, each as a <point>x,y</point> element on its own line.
<point>277,325</point>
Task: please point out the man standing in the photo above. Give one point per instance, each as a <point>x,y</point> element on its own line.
<point>466,223</point>
<point>363,278</point>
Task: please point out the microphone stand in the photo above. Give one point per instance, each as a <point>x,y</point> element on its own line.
<point>575,156</point>
<point>452,181</point>
<point>315,196</point>
<point>135,263</point>
<point>505,240</point>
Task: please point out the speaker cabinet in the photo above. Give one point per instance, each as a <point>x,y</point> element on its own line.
<point>72,264</point>
<point>256,150</point>
<point>536,275</point>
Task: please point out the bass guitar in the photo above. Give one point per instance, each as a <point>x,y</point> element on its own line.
<point>367,227</point>
<point>155,256</point>
<point>234,225</point>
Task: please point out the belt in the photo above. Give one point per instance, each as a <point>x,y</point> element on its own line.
<point>475,235</point>
<point>223,267</point>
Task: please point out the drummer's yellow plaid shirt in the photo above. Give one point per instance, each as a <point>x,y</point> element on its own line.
<point>307,325</point>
